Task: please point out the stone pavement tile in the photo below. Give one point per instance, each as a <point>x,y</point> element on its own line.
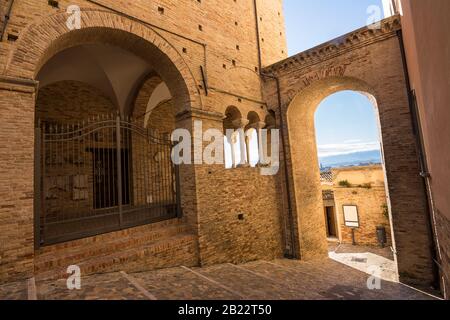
<point>348,248</point>
<point>14,291</point>
<point>337,281</point>
<point>389,290</point>
<point>181,284</point>
<point>328,281</point>
<point>249,283</point>
<point>280,279</point>
<point>109,286</point>
<point>298,287</point>
<point>363,262</point>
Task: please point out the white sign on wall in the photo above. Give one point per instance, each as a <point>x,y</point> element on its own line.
<point>351,217</point>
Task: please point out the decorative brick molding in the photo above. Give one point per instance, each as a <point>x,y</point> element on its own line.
<point>18,84</point>
<point>349,42</point>
<point>200,114</point>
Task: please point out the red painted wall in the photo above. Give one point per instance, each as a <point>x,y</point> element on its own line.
<point>426,31</point>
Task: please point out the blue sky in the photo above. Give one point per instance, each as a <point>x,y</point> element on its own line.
<point>345,122</point>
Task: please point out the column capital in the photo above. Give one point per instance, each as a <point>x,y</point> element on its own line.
<point>240,123</point>
<point>200,114</point>
<point>18,84</point>
<point>258,125</point>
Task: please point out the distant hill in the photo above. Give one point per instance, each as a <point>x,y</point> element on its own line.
<point>351,159</point>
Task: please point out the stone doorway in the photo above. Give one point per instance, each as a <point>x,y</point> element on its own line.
<point>331,224</point>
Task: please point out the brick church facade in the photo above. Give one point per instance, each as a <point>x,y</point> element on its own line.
<point>87,112</point>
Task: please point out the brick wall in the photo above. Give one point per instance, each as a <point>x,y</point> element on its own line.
<point>443,233</point>
<point>16,185</point>
<point>369,62</point>
<point>220,36</point>
<point>68,102</point>
<point>227,27</point>
<point>427,46</point>
<point>366,190</point>
<point>227,193</point>
<point>371,211</point>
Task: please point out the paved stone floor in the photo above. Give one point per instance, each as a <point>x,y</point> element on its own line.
<point>385,252</point>
<point>281,279</point>
<point>366,259</point>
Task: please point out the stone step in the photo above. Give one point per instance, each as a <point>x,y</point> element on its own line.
<point>74,255</point>
<point>174,251</point>
<point>150,232</point>
<point>106,237</point>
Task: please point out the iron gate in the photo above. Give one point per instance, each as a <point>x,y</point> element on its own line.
<point>102,175</point>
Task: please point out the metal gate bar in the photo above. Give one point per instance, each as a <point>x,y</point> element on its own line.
<point>102,175</point>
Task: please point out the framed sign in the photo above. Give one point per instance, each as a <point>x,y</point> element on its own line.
<point>351,217</point>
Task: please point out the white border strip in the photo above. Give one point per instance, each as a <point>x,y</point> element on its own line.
<point>254,273</point>
<point>31,288</point>
<point>138,286</point>
<point>214,282</point>
<point>422,292</point>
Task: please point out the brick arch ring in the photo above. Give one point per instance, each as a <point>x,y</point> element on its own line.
<point>304,167</point>
<point>39,42</point>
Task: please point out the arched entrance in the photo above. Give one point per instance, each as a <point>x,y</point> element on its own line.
<point>367,61</point>
<point>103,155</point>
<point>351,170</point>
<point>100,72</point>
<point>306,178</point>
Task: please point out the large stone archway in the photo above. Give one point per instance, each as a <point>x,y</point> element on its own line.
<point>43,40</point>
<point>368,61</point>
<point>38,43</point>
<point>303,149</point>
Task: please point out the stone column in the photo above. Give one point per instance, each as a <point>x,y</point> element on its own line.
<point>240,125</point>
<point>247,146</point>
<point>232,141</point>
<point>262,147</point>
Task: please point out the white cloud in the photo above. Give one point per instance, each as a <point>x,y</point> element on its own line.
<point>352,141</point>
<point>347,147</point>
